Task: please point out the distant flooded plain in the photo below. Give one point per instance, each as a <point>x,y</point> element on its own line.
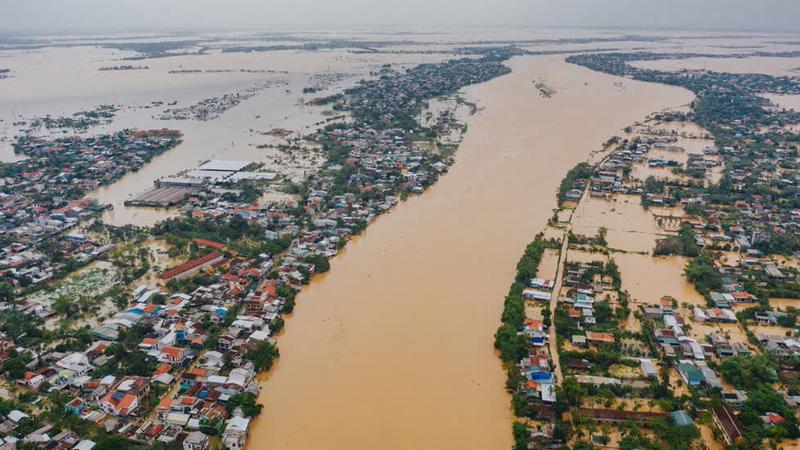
<point>393,348</point>
<point>236,134</point>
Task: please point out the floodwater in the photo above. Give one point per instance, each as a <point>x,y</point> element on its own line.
<point>629,226</point>
<point>784,303</point>
<point>785,101</point>
<point>767,65</point>
<point>648,278</point>
<point>236,134</point>
<point>549,264</point>
<point>393,348</point>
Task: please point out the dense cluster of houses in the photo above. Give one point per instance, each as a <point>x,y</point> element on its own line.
<point>390,100</point>
<point>739,221</point>
<point>614,175</point>
<point>537,367</point>
<point>41,197</point>
<point>199,370</point>
<point>192,354</point>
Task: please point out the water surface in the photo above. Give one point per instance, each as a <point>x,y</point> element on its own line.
<point>393,348</point>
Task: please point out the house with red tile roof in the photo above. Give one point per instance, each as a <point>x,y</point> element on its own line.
<point>120,404</point>
<point>173,355</point>
<point>192,267</point>
<point>210,244</point>
<point>602,338</point>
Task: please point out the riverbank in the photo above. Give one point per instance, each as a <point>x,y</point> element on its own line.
<point>395,330</point>
<point>704,342</point>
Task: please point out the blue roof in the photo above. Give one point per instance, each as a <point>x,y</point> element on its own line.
<point>541,376</point>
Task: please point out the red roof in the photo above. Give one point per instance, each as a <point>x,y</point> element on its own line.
<point>172,352</point>
<point>210,244</point>
<point>601,337</point>
<point>189,266</point>
<point>161,369</point>
<point>271,288</point>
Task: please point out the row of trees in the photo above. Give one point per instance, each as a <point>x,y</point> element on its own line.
<point>508,340</point>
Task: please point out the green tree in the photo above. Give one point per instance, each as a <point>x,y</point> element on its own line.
<point>262,355</point>
<point>510,343</point>
<point>703,274</point>
<point>571,392</point>
<point>746,372</point>
<point>522,436</point>
<point>246,402</point>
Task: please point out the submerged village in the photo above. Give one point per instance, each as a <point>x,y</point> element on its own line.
<point>132,337</point>
<point>602,353</point>
<point>155,337</point>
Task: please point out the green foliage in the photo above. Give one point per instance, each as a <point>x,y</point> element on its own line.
<point>511,344</point>
<point>262,355</point>
<point>514,311</point>
<point>761,400</point>
<point>289,295</point>
<point>609,269</point>
<point>219,230</point>
<point>320,262</point>
<point>684,244</point>
<point>581,171</point>
<point>521,436</point>
<point>14,367</point>
<point>528,265</point>
<point>584,445</point>
<point>25,329</point>
<point>603,312</point>
<point>212,427</point>
<point>598,239</point>
<point>6,292</point>
<point>246,402</point>
<point>703,274</point>
<point>570,392</point>
<point>747,372</point>
<point>676,437</point>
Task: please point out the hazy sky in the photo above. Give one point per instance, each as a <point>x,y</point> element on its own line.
<point>57,16</point>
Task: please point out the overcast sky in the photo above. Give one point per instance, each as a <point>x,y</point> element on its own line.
<point>75,16</point>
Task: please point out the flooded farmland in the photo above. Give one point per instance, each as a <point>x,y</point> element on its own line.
<point>648,278</point>
<point>629,227</point>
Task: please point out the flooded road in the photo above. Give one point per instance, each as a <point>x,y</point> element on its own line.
<point>393,348</point>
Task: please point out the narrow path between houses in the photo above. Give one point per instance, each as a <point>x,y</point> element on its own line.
<point>562,258</point>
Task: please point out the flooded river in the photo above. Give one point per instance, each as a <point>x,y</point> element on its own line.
<point>393,348</point>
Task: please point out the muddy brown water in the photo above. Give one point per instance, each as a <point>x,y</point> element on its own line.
<point>393,348</point>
